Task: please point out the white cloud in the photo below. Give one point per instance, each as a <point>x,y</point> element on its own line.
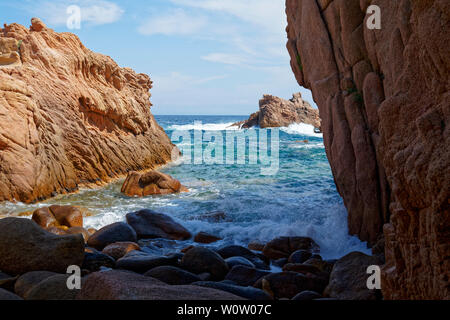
<point>176,22</point>
<point>93,12</point>
<point>225,58</point>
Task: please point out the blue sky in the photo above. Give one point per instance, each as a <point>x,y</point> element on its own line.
<point>204,56</point>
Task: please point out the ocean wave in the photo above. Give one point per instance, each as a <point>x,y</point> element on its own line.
<point>301,129</point>
<point>204,126</point>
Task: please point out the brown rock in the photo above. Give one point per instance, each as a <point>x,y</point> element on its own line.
<point>283,247</point>
<point>37,25</point>
<point>67,215</point>
<point>59,230</point>
<point>277,112</point>
<point>203,237</point>
<point>348,279</point>
<point>30,279</point>
<point>25,247</point>
<point>149,224</point>
<point>52,288</point>
<point>121,285</point>
<point>387,136</point>
<point>118,250</point>
<point>44,218</point>
<point>112,233</point>
<point>80,230</point>
<point>64,124</point>
<point>150,183</point>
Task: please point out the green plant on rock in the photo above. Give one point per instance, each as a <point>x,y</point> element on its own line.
<point>19,44</point>
<point>299,62</point>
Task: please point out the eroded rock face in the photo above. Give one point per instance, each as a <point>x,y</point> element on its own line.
<point>383,97</point>
<point>69,117</point>
<point>277,112</point>
<point>150,183</point>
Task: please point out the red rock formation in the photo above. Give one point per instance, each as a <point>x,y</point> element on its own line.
<point>69,116</point>
<point>383,97</point>
<point>276,112</point>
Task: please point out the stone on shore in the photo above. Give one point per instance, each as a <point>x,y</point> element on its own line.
<point>7,295</point>
<point>239,261</point>
<point>141,262</point>
<point>172,275</point>
<point>112,233</point>
<point>307,296</point>
<point>199,260</point>
<point>55,215</point>
<point>239,251</point>
<point>94,260</point>
<point>245,276</point>
<point>25,247</point>
<point>27,281</point>
<point>150,183</point>
<point>203,237</point>
<point>52,288</point>
<point>250,293</point>
<point>149,225</point>
<point>118,250</point>
<point>123,285</point>
<point>348,279</point>
<point>283,247</point>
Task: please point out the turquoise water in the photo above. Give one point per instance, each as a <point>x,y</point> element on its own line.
<point>300,199</point>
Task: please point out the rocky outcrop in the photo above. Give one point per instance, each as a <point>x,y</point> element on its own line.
<point>69,117</point>
<point>277,112</point>
<point>383,97</point>
<point>150,183</point>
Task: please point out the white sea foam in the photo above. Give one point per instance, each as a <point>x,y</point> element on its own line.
<point>301,129</point>
<point>204,126</point>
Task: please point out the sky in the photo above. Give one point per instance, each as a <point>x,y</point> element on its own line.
<point>204,57</point>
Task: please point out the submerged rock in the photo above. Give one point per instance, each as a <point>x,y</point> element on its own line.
<point>150,183</point>
<point>149,224</point>
<point>25,247</point>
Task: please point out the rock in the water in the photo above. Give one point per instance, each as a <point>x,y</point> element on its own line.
<point>348,279</point>
<point>238,251</point>
<point>112,233</point>
<point>149,224</point>
<point>55,215</point>
<point>299,256</point>
<point>283,247</point>
<point>289,284</point>
<point>256,246</point>
<point>94,260</point>
<point>70,117</point>
<point>8,295</point>
<point>150,183</point>
<point>122,285</point>
<point>141,262</point>
<point>30,279</point>
<point>213,217</point>
<point>277,112</point>
<point>199,260</point>
<point>239,261</point>
<point>245,292</point>
<point>118,250</point>
<point>245,276</point>
<point>172,275</point>
<point>52,288</point>
<point>25,247</point>
<point>307,296</point>
<point>203,237</point>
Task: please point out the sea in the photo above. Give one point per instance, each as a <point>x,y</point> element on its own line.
<point>289,191</point>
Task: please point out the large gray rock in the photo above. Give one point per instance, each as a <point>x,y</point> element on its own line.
<point>149,224</point>
<point>348,279</point>
<point>25,247</point>
<point>124,285</point>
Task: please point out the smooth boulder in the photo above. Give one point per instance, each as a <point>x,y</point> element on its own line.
<point>203,237</point>
<point>27,281</point>
<point>283,247</point>
<point>55,215</point>
<point>244,292</point>
<point>150,183</point>
<point>245,276</point>
<point>112,233</point>
<point>199,260</point>
<point>172,275</point>
<point>149,225</point>
<point>239,251</point>
<point>25,247</point>
<point>118,250</point>
<point>123,285</point>
<point>141,262</point>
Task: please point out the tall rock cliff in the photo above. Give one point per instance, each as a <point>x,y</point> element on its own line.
<point>384,101</point>
<point>69,116</point>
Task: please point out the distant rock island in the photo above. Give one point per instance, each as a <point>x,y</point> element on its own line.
<point>278,112</point>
